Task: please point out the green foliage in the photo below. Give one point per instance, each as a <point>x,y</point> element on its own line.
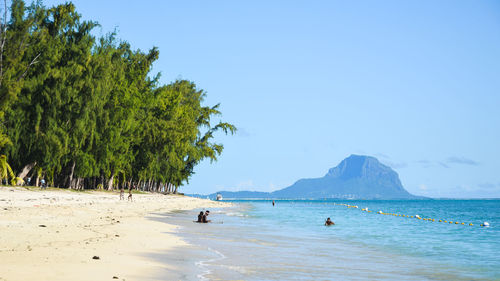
<point>89,112</point>
<point>6,172</point>
<point>5,169</point>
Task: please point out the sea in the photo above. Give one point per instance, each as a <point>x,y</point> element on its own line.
<point>371,240</point>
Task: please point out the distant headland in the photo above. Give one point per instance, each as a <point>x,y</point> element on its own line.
<point>356,177</point>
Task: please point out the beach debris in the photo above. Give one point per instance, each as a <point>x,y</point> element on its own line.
<point>96,258</point>
<point>116,235</point>
<point>115,277</point>
<point>42,225</point>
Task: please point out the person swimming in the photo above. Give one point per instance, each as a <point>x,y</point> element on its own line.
<point>273,203</point>
<point>328,222</point>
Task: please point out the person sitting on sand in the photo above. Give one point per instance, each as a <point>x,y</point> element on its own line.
<point>122,196</point>
<point>328,222</point>
<point>200,217</point>
<point>204,218</point>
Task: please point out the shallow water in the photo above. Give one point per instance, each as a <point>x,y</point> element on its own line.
<point>256,241</point>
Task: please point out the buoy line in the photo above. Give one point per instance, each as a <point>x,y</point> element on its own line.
<point>484,224</point>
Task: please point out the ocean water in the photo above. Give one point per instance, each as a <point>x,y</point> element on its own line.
<point>256,241</point>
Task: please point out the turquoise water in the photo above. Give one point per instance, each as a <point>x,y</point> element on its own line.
<point>256,241</point>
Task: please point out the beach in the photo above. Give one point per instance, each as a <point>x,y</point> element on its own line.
<point>67,235</point>
<point>55,235</point>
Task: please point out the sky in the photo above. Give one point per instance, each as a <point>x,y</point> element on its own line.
<point>308,83</point>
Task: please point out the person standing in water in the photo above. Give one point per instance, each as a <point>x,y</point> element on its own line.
<point>328,222</point>
<point>273,203</point>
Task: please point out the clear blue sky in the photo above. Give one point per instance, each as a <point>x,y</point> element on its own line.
<point>414,83</point>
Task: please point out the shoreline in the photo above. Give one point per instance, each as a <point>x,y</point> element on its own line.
<point>54,234</point>
<point>194,260</point>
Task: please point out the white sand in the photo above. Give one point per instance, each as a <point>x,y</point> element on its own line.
<point>82,225</point>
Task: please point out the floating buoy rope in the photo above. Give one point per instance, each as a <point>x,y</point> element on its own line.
<point>484,224</point>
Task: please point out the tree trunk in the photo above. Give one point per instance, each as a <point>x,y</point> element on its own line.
<point>77,184</point>
<point>24,172</point>
<point>110,182</point>
<point>71,175</point>
<point>72,184</point>
<point>102,180</point>
<point>175,190</point>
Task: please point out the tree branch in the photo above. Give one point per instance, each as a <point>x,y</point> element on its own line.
<point>3,32</point>
<point>34,61</point>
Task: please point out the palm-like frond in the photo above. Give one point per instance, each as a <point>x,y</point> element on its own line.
<point>5,169</point>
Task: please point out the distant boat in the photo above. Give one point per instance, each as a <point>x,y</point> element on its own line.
<point>219,197</point>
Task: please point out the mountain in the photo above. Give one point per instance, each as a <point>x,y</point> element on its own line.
<point>356,177</point>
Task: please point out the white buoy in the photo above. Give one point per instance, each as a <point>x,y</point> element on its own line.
<point>486,224</point>
<point>380,212</point>
<point>417,216</point>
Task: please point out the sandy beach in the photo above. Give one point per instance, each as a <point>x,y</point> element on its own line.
<point>55,234</point>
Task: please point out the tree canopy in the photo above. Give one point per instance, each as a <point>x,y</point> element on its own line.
<point>86,112</point>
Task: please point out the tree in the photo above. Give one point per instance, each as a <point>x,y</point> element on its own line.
<point>15,59</point>
<point>87,113</point>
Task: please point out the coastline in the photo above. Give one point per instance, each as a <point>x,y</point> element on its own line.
<point>54,234</point>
